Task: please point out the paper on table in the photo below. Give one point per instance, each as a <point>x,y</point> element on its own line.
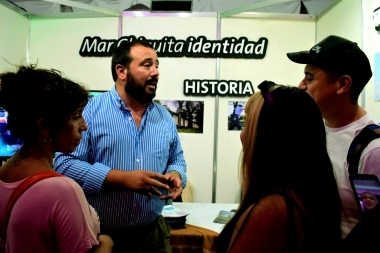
<point>171,212</point>
<point>224,216</point>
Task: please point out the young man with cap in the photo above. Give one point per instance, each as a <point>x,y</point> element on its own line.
<point>336,72</point>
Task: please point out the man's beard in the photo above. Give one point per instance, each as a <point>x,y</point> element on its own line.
<point>137,91</point>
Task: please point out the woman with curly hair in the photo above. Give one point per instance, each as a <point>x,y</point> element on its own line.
<point>45,112</point>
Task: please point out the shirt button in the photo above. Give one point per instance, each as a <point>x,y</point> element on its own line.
<point>130,118</point>
<point>134,205</point>
<point>138,160</point>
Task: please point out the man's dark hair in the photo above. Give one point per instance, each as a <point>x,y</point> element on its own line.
<point>358,81</point>
<point>122,54</point>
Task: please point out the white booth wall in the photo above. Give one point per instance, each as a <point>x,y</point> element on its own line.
<point>283,36</point>
<point>344,19</point>
<point>55,43</point>
<point>13,38</point>
<point>371,41</point>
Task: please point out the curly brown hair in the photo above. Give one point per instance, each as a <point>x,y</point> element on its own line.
<point>31,93</point>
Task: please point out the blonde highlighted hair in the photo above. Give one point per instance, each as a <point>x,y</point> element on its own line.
<point>252,114</point>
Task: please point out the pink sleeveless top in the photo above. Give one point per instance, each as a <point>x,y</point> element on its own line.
<point>51,216</point>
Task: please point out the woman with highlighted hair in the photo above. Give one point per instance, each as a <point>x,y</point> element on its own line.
<point>290,200</point>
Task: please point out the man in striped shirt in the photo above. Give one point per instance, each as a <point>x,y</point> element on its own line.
<point>130,159</point>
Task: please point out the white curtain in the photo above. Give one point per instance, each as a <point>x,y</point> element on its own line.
<point>225,5</point>
<point>313,6</point>
<point>39,7</point>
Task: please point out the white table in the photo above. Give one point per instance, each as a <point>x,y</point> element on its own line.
<point>203,214</point>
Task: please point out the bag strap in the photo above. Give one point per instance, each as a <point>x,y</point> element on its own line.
<point>239,225</point>
<point>358,144</point>
<point>25,185</point>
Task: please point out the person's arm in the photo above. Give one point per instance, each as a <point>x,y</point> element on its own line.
<point>141,181</point>
<point>175,185</point>
<point>78,165</point>
<point>75,227</point>
<point>105,245</point>
<point>176,163</point>
<point>92,177</point>
<point>370,159</point>
<point>89,176</point>
<point>176,168</point>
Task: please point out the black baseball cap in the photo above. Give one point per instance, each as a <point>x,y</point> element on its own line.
<point>337,53</point>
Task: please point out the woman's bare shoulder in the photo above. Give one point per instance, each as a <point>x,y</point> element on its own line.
<point>272,205</point>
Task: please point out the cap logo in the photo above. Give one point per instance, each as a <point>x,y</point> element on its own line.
<point>316,49</point>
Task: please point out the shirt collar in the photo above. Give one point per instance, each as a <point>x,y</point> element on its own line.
<point>120,103</point>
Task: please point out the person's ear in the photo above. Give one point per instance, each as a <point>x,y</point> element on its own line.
<point>345,83</point>
<point>44,128</point>
<point>121,71</point>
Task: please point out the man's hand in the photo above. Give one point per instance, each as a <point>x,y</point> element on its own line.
<point>105,244</point>
<point>175,183</point>
<point>141,181</point>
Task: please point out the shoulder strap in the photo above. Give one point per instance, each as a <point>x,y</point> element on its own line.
<point>238,225</point>
<point>359,143</point>
<point>25,185</point>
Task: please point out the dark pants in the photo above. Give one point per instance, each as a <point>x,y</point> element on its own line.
<point>152,238</point>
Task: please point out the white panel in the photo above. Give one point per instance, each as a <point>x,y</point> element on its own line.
<point>283,36</point>
<point>55,43</point>
<point>198,148</point>
<point>344,19</point>
<point>13,39</point>
<point>40,6</point>
<point>372,46</point>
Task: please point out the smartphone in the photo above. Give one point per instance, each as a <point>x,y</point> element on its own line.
<point>366,188</point>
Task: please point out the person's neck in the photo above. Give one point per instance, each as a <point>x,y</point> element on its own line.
<point>36,154</point>
<point>344,116</point>
<point>135,106</point>
<point>29,160</point>
<point>132,104</point>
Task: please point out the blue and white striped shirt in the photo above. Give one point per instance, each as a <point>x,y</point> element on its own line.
<point>113,141</point>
